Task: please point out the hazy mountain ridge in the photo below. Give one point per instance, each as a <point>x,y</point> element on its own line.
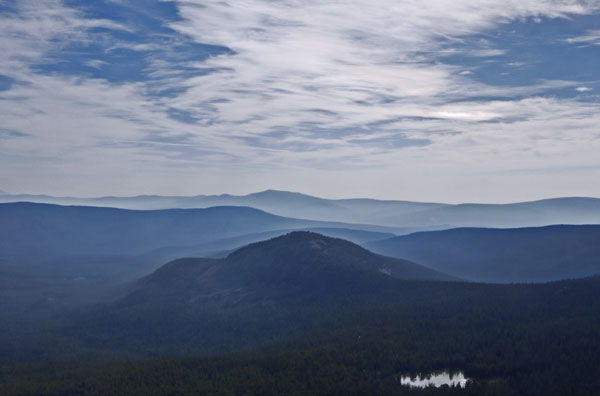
<point>573,210</point>
<point>568,210</point>
<point>283,203</point>
<point>109,243</point>
<point>223,247</point>
<point>43,229</point>
<point>538,254</point>
<point>112,268</point>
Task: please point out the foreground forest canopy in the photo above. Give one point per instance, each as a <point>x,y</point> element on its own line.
<point>509,340</point>
<point>308,314</point>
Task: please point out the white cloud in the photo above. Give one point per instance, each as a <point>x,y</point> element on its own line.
<point>592,37</point>
<point>39,26</point>
<point>95,63</point>
<point>294,56</point>
<point>583,89</point>
<point>312,88</point>
<point>485,53</point>
<point>516,64</point>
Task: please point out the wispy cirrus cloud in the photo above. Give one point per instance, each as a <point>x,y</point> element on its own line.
<point>289,91</point>
<point>591,37</point>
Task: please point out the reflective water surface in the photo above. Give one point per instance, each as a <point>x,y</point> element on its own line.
<point>436,379</point>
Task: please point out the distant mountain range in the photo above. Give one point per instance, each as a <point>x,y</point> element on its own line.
<point>111,245</point>
<point>283,203</point>
<point>42,229</point>
<point>103,268</point>
<point>80,241</point>
<point>413,216</point>
<point>503,255</point>
<point>525,214</point>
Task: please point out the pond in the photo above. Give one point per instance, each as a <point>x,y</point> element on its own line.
<point>435,379</point>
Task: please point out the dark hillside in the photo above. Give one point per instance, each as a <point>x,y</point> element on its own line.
<point>503,255</point>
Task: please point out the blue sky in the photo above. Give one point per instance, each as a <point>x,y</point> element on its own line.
<point>488,101</point>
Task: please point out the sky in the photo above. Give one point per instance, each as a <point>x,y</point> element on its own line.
<point>427,100</point>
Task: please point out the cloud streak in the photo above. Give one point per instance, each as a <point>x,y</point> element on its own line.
<point>591,37</point>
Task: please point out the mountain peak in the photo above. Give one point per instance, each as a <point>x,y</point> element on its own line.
<point>279,193</point>
<point>307,241</point>
<point>296,265</point>
<point>275,191</point>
